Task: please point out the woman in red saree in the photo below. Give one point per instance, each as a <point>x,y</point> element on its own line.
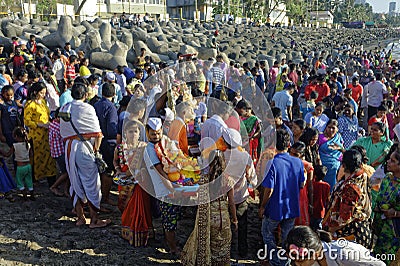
<point>133,201</point>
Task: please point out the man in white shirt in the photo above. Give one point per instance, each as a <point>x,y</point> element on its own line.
<point>110,78</point>
<point>121,79</point>
<point>214,126</point>
<point>239,166</point>
<point>284,101</point>
<point>59,71</point>
<point>373,95</point>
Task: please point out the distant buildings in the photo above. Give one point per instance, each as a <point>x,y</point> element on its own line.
<point>392,8</point>
<point>360,2</point>
<point>106,8</point>
<point>186,9</point>
<point>322,18</point>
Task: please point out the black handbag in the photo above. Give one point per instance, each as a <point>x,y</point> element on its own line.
<point>98,158</point>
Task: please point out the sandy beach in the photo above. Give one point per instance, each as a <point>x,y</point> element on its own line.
<point>43,232</point>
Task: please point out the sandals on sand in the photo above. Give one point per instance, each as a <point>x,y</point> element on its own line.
<point>100,223</point>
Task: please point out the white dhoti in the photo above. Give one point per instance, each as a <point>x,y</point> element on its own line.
<point>83,173</point>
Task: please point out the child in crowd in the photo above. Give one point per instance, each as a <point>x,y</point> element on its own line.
<point>22,150</point>
<point>10,116</point>
<point>7,184</point>
<point>308,106</point>
<point>321,192</point>
<point>58,153</point>
<point>93,86</point>
<point>379,117</point>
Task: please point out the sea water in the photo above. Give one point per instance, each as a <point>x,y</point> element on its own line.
<point>395,47</point>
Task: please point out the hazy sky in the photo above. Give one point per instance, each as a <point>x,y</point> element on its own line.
<point>380,6</point>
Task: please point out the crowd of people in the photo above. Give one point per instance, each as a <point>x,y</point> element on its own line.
<point>325,155</point>
<point>126,20</point>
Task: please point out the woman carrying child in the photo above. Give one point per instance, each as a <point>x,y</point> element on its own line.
<point>133,202</point>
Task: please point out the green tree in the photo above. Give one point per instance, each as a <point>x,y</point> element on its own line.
<point>7,5</point>
<point>297,10</point>
<point>46,8</point>
<point>348,11</point>
<point>270,6</point>
<point>233,7</point>
<point>78,10</point>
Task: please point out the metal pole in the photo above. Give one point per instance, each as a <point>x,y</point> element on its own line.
<point>165,10</point>
<point>195,9</point>
<point>30,9</point>
<point>22,9</point>
<point>317,20</point>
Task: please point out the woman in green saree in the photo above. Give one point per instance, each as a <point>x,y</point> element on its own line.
<point>387,210</point>
<point>252,125</point>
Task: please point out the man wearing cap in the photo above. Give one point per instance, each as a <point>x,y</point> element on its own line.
<point>280,204</point>
<point>284,101</point>
<point>108,119</point>
<point>162,186</point>
<point>110,78</point>
<point>239,166</point>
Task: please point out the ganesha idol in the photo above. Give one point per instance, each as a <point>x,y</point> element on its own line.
<point>181,169</point>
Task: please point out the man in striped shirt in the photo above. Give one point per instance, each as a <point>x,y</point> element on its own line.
<point>57,152</point>
<point>70,69</point>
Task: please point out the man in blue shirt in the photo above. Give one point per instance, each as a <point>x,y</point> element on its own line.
<point>284,101</point>
<point>280,204</point>
<point>108,119</point>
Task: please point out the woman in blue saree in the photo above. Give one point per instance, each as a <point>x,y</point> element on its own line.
<point>330,150</point>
